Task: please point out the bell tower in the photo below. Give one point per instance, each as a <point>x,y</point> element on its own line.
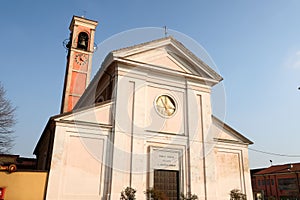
<point>79,61</point>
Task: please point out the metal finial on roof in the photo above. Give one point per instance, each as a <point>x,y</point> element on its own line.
<point>166,31</point>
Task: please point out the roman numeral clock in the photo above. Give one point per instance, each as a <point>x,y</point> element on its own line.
<point>81,59</point>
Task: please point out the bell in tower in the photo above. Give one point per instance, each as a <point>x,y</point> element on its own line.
<point>83,41</point>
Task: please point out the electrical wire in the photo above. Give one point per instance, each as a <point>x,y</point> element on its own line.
<point>264,152</point>
<point>275,154</point>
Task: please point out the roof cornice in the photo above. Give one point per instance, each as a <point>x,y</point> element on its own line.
<point>164,70</point>
<point>228,128</point>
<point>124,52</point>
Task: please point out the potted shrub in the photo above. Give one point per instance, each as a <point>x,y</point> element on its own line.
<point>128,194</point>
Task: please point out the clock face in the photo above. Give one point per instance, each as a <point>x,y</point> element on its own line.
<point>81,59</point>
<point>165,105</point>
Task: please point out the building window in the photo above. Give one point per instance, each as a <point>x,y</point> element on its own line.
<point>287,184</point>
<point>263,182</point>
<point>268,182</point>
<point>258,182</point>
<point>272,180</point>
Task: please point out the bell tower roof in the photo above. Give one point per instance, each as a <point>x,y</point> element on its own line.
<point>81,21</point>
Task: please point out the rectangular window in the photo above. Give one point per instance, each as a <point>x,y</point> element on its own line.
<point>272,180</point>
<point>287,184</point>
<point>263,182</point>
<point>258,182</point>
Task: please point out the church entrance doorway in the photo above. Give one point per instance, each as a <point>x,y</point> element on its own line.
<point>167,182</point>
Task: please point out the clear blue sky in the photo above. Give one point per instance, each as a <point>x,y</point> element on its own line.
<point>255,45</point>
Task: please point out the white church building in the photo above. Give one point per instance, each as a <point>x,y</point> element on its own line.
<point>144,121</point>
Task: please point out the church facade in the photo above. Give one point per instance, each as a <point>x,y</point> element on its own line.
<point>144,121</point>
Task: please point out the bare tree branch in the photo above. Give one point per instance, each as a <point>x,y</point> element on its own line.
<point>7,122</point>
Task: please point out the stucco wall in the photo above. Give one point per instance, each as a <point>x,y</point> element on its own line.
<point>23,185</point>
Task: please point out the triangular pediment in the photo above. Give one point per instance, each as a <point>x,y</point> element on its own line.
<point>159,57</point>
<point>97,115</point>
<point>169,54</point>
<point>224,133</point>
